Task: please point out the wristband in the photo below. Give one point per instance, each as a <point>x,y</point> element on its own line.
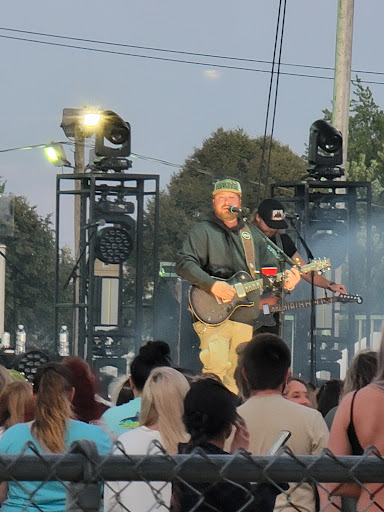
<point>331,284</point>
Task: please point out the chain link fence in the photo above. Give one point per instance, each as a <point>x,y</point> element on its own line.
<point>83,480</point>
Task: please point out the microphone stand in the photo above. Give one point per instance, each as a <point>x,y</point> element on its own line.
<point>313,311</point>
<point>283,259</point>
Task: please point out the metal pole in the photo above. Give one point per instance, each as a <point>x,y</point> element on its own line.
<point>2,289</point>
<point>79,168</point>
<point>342,80</point>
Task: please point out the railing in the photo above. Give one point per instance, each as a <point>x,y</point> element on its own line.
<point>81,471</point>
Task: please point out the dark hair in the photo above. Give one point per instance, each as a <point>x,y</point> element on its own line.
<point>150,356</point>
<point>266,361</point>
<point>328,395</point>
<point>209,408</point>
<point>84,404</point>
<point>125,394</point>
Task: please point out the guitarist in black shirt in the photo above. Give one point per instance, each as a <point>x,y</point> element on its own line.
<point>269,218</point>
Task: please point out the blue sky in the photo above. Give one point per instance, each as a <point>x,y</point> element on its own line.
<point>172,107</point>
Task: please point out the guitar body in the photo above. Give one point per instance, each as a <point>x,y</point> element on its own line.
<point>213,311</point>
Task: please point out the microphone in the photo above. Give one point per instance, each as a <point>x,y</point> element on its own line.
<point>243,211</point>
<point>292,216</point>
<point>100,222</point>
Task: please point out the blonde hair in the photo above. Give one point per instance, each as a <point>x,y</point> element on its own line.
<point>52,386</point>
<point>16,404</point>
<point>5,377</point>
<point>162,405</point>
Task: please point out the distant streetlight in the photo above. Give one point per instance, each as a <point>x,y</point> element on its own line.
<point>56,154</point>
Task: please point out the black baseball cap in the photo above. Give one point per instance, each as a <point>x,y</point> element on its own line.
<point>272,213</point>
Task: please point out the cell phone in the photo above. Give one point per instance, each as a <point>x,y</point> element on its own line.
<point>280,441</point>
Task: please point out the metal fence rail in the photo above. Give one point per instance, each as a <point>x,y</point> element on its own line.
<point>82,470</point>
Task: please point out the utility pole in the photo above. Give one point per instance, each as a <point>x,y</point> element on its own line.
<point>2,287</point>
<point>342,80</point>
<point>79,168</point>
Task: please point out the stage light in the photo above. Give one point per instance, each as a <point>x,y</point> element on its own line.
<point>113,129</point>
<point>28,362</point>
<point>113,245</point>
<point>92,119</point>
<point>56,154</point>
<point>325,150</point>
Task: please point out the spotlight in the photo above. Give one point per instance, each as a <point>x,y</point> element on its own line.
<point>115,130</point>
<point>91,119</point>
<point>29,362</point>
<point>113,245</point>
<point>325,150</point>
<point>56,154</point>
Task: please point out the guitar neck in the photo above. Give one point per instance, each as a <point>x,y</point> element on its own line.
<point>258,284</point>
<point>302,304</point>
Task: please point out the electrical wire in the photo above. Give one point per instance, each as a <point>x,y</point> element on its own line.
<point>277,48</point>
<point>184,61</point>
<point>181,52</point>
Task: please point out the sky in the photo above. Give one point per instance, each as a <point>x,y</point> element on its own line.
<point>172,107</point>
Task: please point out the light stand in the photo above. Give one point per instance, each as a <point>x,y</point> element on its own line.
<point>313,311</point>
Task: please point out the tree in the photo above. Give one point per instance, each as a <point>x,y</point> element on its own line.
<point>30,276</point>
<point>365,140</point>
<point>225,154</point>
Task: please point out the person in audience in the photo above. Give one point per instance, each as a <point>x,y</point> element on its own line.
<point>16,405</point>
<point>329,396</point>
<point>296,390</point>
<point>84,405</point>
<point>52,431</point>
<point>358,424</point>
<point>266,364</point>
<point>5,377</point>
<point>360,373</point>
<point>209,414</point>
<point>126,393</point>
<point>162,407</point>
<point>121,418</point>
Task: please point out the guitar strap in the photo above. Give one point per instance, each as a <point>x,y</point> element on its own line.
<point>249,250</point>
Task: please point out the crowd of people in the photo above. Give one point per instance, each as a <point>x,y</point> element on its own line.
<point>243,400</point>
<point>170,411</point>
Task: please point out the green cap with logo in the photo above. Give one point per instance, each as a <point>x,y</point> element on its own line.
<point>227,186</point>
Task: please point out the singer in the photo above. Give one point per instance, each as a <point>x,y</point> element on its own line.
<point>270,219</point>
<point>213,252</point>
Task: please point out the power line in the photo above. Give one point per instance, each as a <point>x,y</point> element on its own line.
<point>181,52</point>
<point>181,61</point>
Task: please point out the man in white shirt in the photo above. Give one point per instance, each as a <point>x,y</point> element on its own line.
<point>266,365</point>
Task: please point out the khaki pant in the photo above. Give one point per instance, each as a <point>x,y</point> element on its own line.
<point>218,348</point>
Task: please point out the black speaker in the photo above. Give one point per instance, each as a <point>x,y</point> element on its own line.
<point>173,322</point>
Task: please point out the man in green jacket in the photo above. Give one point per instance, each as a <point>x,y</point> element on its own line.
<point>214,249</point>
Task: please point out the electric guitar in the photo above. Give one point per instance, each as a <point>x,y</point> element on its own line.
<point>211,310</point>
<point>266,316</point>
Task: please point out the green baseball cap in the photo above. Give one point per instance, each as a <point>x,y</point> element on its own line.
<point>227,186</point>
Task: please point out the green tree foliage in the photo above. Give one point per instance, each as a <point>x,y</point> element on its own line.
<point>225,154</point>
<point>365,140</point>
<point>30,276</point>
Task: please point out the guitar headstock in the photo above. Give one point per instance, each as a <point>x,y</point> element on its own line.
<point>344,299</point>
<point>316,265</point>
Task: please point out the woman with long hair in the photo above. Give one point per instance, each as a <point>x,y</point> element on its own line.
<point>16,405</point>
<point>84,404</point>
<point>160,422</point>
<point>358,423</point>
<point>122,418</point>
<point>52,431</point>
<point>360,373</point>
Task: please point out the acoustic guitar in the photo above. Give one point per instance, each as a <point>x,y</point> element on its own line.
<point>211,310</point>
